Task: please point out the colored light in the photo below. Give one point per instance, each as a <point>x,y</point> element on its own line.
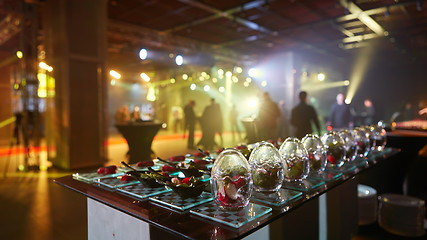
<point>321,76</point>
<point>193,86</point>
<point>115,74</point>
<point>19,54</point>
<point>172,80</point>
<point>228,74</point>
<point>220,72</point>
<point>206,88</point>
<point>145,77</point>
<point>252,103</point>
<point>264,83</point>
<point>221,89</point>
<point>238,69</point>
<point>184,76</point>
<point>253,72</point>
<point>113,82</point>
<point>143,54</point>
<point>179,60</point>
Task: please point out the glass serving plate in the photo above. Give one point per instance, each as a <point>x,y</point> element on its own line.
<point>174,201</point>
<point>305,185</point>
<point>330,174</point>
<point>115,182</point>
<point>142,192</point>
<point>92,176</point>
<point>235,219</point>
<point>277,199</point>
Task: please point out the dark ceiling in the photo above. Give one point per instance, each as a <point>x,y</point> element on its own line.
<point>244,30</point>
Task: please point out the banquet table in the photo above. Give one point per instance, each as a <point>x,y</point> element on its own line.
<point>328,211</point>
<point>139,136</point>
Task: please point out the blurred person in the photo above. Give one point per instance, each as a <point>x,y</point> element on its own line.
<point>122,115</point>
<point>340,115</point>
<point>135,116</point>
<point>177,118</point>
<point>190,122</point>
<point>284,121</point>
<point>368,112</point>
<point>233,121</point>
<point>267,119</point>
<point>302,116</point>
<point>209,122</point>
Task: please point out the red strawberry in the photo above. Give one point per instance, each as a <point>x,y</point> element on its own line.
<point>186,180</point>
<point>311,156</point>
<point>101,170</point>
<point>145,164</point>
<point>239,183</point>
<point>126,178</point>
<point>168,168</point>
<point>331,159</point>
<point>222,198</point>
<point>177,158</point>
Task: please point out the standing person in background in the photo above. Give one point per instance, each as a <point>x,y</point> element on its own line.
<point>209,123</point>
<point>340,115</point>
<point>177,118</point>
<point>233,121</point>
<point>190,122</point>
<point>268,117</point>
<point>136,115</point>
<point>122,115</point>
<point>218,123</point>
<point>302,116</point>
<point>369,112</point>
<point>284,121</point>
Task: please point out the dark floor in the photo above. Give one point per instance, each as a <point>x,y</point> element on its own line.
<point>32,206</point>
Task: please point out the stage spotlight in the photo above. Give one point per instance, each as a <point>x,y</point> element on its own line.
<point>253,72</point>
<point>143,54</point>
<point>321,76</point>
<point>115,74</point>
<point>145,77</point>
<point>179,60</point>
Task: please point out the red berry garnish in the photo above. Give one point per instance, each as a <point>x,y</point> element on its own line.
<point>177,158</point>
<point>331,159</point>
<point>168,168</point>
<point>142,164</point>
<point>126,178</point>
<point>186,180</point>
<point>101,170</point>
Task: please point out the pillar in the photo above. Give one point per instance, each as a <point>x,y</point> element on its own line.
<point>75,42</point>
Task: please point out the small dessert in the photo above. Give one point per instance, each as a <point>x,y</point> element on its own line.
<point>107,170</point>
<point>127,178</point>
<point>178,158</point>
<point>187,187</point>
<point>167,168</point>
<point>295,158</point>
<point>144,164</point>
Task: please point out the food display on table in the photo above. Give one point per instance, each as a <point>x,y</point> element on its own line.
<point>295,160</point>
<point>167,168</point>
<point>335,148</point>
<point>178,158</point>
<point>152,179</point>
<point>380,137</point>
<point>107,170</point>
<point>186,187</point>
<point>201,154</point>
<point>370,135</point>
<point>231,180</point>
<point>245,150</point>
<point>144,164</point>
<point>267,168</point>
<point>127,178</point>
<point>350,145</point>
<point>316,153</point>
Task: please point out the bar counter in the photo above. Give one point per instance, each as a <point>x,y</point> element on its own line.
<point>112,214</point>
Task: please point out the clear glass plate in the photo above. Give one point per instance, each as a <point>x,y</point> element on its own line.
<point>306,185</point>
<point>90,177</point>
<point>235,219</point>
<point>277,199</point>
<point>327,175</point>
<point>141,191</point>
<point>174,201</point>
<point>115,182</point>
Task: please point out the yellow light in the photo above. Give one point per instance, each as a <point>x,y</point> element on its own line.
<point>43,65</point>
<point>347,100</point>
<point>321,76</point>
<point>115,74</point>
<point>184,76</point>
<point>246,84</point>
<point>346,82</point>
<point>145,77</point>
<point>239,70</point>
<point>21,167</point>
<point>220,72</point>
<point>207,76</point>
<point>193,86</point>
<point>252,103</point>
<point>235,79</point>
<point>248,79</point>
<point>206,88</point>
<point>172,80</point>
<point>214,80</point>
<point>253,72</point>
<point>164,125</point>
<point>228,74</point>
<point>151,94</point>
<point>16,86</point>
<point>19,54</point>
<point>264,83</point>
<point>201,78</point>
<point>113,82</point>
<point>221,89</point>
<point>204,74</point>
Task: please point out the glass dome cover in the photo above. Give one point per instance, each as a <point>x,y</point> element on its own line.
<point>350,145</point>
<point>335,148</point>
<point>380,137</point>
<point>362,141</point>
<point>267,167</point>
<point>295,160</point>
<point>231,180</point>
<point>316,153</point>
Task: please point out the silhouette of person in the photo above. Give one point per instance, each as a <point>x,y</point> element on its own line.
<point>267,120</point>
<point>233,121</point>
<point>369,112</point>
<point>340,115</point>
<point>209,122</point>
<point>177,118</point>
<point>302,116</point>
<point>122,115</point>
<point>190,122</point>
<point>136,115</point>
